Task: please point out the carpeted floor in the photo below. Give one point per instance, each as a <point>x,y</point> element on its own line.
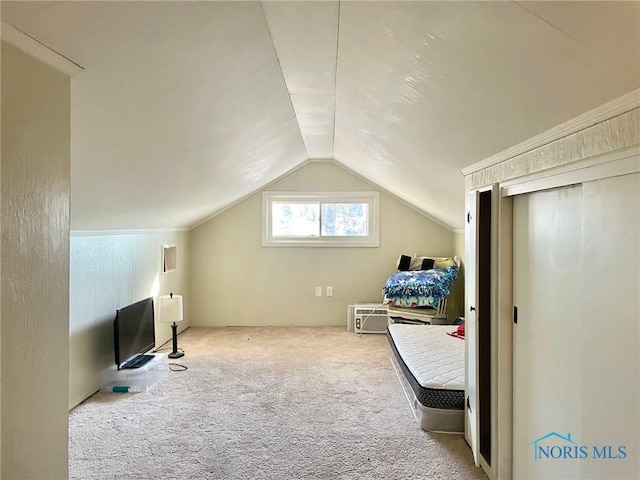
<point>266,403</point>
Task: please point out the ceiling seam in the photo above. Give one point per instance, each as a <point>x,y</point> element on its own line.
<point>275,50</point>
<point>76,64</point>
<point>544,20</point>
<point>335,83</point>
<point>574,39</point>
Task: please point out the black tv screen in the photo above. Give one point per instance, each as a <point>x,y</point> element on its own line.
<point>133,330</point>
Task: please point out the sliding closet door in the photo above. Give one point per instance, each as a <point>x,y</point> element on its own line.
<point>576,357</point>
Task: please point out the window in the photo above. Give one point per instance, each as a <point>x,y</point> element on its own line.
<point>345,219</point>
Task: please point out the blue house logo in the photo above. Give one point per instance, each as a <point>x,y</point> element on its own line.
<point>554,446</point>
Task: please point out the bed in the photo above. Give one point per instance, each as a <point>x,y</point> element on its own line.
<point>418,292</point>
<point>429,361</point>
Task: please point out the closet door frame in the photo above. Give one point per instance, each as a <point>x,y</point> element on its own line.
<point>503,318</point>
<point>471,341</point>
<point>499,324</point>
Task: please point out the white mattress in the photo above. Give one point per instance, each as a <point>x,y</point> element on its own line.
<point>435,359</point>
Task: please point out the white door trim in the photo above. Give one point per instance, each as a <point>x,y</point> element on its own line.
<point>471,340</point>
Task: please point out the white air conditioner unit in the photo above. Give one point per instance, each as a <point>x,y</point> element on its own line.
<point>367,318</point>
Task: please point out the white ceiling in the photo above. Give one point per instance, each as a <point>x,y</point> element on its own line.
<point>183,108</point>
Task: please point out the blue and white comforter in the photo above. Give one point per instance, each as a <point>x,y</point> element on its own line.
<point>419,288</point>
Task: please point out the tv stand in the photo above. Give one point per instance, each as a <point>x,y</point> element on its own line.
<point>138,379</point>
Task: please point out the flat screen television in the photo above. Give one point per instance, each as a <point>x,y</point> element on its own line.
<point>133,332</point>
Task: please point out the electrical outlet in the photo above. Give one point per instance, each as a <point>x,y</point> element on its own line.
<point>329,291</point>
<point>318,291</point>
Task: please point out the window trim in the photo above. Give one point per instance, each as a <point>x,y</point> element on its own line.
<point>370,197</point>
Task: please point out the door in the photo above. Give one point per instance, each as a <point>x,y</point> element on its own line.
<point>576,283</point>
<point>471,372</point>
<point>478,334</point>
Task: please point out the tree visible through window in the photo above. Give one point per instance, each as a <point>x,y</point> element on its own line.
<point>345,219</point>
<point>327,219</point>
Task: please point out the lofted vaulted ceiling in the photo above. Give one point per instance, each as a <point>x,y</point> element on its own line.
<point>183,108</point>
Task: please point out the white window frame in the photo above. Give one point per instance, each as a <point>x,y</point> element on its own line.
<point>370,198</point>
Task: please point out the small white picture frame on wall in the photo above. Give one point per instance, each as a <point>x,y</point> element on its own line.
<point>169,258</point>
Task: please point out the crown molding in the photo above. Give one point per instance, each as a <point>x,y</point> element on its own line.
<point>611,164</point>
<point>39,50</point>
<point>600,114</point>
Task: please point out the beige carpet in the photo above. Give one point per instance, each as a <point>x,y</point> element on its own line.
<point>266,403</point>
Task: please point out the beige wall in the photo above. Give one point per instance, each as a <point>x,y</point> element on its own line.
<point>458,244</point>
<point>110,272</point>
<point>455,306</point>
<point>35,267</point>
<point>236,281</point>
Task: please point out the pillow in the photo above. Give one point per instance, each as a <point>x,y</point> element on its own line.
<point>405,262</point>
<point>444,263</point>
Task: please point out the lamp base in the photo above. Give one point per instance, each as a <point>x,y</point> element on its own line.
<point>175,353</point>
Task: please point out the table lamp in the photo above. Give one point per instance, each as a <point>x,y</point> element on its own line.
<point>171,312</point>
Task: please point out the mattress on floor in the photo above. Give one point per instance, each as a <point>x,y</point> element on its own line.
<point>432,361</point>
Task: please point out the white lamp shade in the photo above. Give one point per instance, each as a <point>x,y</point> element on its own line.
<point>171,308</point>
